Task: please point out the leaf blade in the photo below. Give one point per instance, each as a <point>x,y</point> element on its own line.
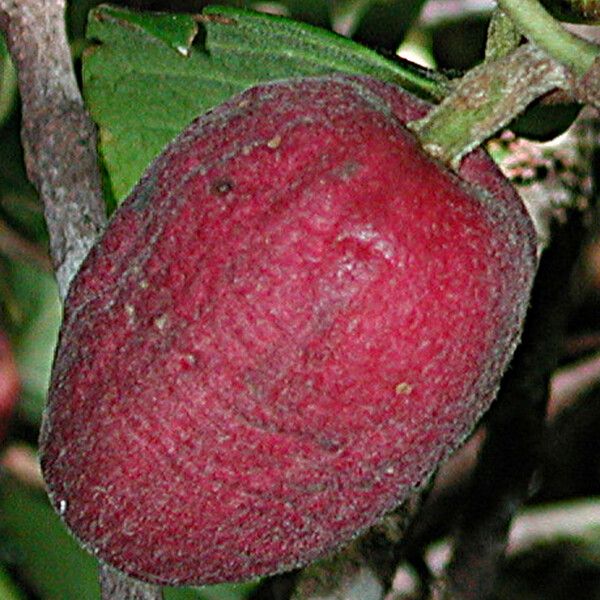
<point>142,90</point>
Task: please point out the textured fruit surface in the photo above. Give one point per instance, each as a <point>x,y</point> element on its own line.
<point>293,318</point>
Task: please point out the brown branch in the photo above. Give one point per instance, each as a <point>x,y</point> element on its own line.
<point>485,100</point>
<point>59,140</point>
<point>58,136</point>
<point>117,586</point>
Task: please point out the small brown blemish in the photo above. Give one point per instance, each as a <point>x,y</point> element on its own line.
<point>160,322</point>
<point>274,142</point>
<point>349,168</point>
<point>102,17</point>
<point>403,388</point>
<point>130,312</point>
<point>188,360</point>
<point>221,186</point>
<point>219,19</point>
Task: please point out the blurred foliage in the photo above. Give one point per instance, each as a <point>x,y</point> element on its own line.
<point>39,548</point>
<point>564,569</point>
<point>574,11</point>
<point>460,44</point>
<point>397,15</point>
<point>34,334</point>
<point>8,589</point>
<point>143,86</point>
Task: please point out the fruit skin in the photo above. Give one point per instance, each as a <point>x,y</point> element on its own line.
<point>291,321</point>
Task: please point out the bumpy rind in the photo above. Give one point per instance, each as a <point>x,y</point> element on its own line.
<point>291,321</point>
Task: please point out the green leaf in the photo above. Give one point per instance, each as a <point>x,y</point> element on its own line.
<point>211,592</point>
<point>42,550</point>
<point>8,589</point>
<point>175,30</point>
<point>544,122</point>
<point>35,337</point>
<point>146,78</point>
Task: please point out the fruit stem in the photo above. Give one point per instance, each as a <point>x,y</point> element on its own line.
<point>485,100</point>
<point>118,586</point>
<point>502,36</point>
<point>488,97</point>
<point>535,22</point>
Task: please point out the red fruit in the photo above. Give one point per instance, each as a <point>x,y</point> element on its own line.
<point>9,384</point>
<point>294,317</point>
